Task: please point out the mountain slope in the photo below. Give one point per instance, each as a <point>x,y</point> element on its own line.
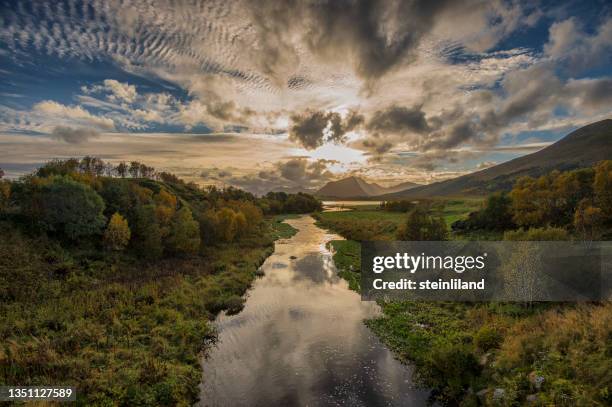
<point>581,148</point>
<point>355,187</point>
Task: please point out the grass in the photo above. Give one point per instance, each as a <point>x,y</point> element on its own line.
<point>367,223</point>
<point>122,331</point>
<point>281,229</point>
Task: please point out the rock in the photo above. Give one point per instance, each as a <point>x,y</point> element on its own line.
<point>484,359</point>
<point>482,393</point>
<point>536,380</point>
<point>499,393</point>
<point>532,398</point>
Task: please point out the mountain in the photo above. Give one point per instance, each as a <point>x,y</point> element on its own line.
<point>355,187</point>
<point>581,148</point>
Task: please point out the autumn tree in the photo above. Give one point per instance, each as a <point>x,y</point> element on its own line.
<point>602,187</point>
<point>588,220</point>
<point>117,233</point>
<point>226,224</point>
<point>5,194</point>
<point>419,225</point>
<point>184,232</point>
<point>165,210</point>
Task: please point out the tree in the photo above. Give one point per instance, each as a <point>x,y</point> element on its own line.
<point>1,173</point>
<point>122,169</point>
<point>71,208</point>
<point>165,210</point>
<point>602,187</point>
<point>588,220</point>
<point>5,194</point>
<point>420,225</point>
<point>134,169</point>
<point>184,232</point>
<point>241,225</point>
<point>226,224</point>
<point>117,233</point>
<point>147,234</point>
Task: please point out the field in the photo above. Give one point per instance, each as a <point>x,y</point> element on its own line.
<point>371,223</point>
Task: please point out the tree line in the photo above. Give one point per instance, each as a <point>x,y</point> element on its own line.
<point>133,207</point>
<point>578,201</point>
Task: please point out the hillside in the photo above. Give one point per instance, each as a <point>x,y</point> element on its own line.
<point>581,148</point>
<point>355,187</point>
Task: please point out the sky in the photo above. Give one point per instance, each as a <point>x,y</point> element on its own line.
<point>287,95</point>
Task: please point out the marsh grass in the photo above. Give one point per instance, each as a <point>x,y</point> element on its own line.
<point>123,331</point>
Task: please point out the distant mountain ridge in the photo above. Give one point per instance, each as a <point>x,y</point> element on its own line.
<point>355,187</point>
<point>581,148</point>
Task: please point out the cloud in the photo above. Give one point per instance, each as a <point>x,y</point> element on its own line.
<point>75,114</point>
<point>116,91</point>
<point>74,135</point>
<point>313,128</point>
<point>398,120</point>
<point>292,175</point>
<point>575,49</point>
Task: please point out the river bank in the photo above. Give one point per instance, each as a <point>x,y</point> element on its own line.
<point>123,332</point>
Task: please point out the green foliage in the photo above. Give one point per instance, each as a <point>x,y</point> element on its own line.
<point>402,205</point>
<point>147,235</point>
<point>420,225</point>
<point>117,233</point>
<point>487,338</point>
<point>496,215</point>
<point>70,208</point>
<point>281,202</point>
<point>537,234</point>
<point>281,229</point>
<point>184,233</point>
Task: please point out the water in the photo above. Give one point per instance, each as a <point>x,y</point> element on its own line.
<point>300,339</point>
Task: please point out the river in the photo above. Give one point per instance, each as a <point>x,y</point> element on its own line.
<point>301,341</point>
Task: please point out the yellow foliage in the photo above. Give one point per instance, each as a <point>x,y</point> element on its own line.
<point>117,233</point>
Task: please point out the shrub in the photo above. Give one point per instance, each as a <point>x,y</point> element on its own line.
<point>487,338</point>
<point>421,226</point>
<point>537,234</point>
<point>71,208</point>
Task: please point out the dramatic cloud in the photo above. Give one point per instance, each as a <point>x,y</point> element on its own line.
<point>313,128</point>
<point>399,120</point>
<point>73,135</point>
<point>348,79</point>
<point>293,175</point>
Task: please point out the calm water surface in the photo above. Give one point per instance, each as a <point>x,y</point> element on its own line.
<point>300,339</point>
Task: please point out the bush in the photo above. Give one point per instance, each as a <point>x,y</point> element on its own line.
<point>70,208</point>
<point>487,338</point>
<point>537,234</point>
<point>421,226</point>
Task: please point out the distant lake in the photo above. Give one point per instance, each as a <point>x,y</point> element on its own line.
<point>350,203</point>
